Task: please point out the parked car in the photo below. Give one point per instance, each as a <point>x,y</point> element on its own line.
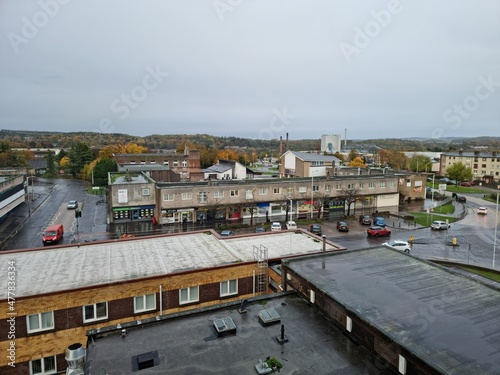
<point>275,226</point>
<point>451,182</point>
<point>482,211</point>
<point>342,226</point>
<point>379,221</point>
<point>259,230</point>
<point>467,183</point>
<point>461,199</point>
<point>72,205</point>
<point>226,233</point>
<point>439,225</point>
<point>315,229</point>
<point>377,231</point>
<point>365,219</point>
<point>398,245</point>
<point>291,225</point>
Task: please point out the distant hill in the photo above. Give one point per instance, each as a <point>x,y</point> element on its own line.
<point>46,139</point>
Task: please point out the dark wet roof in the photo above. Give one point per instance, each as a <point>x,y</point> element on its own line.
<point>449,320</point>
<point>306,156</point>
<point>188,345</point>
<point>216,168</point>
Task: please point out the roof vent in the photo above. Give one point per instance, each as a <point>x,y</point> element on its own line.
<point>75,356</point>
<point>145,360</point>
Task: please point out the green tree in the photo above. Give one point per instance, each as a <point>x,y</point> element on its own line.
<point>459,172</point>
<point>353,155</point>
<point>420,163</point>
<point>79,155</point>
<point>51,165</point>
<point>101,170</point>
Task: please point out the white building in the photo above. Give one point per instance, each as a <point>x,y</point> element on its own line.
<point>331,143</point>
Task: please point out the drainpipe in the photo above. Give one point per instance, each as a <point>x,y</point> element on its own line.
<point>161,301</point>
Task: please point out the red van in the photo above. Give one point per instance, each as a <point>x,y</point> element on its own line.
<point>53,234</point>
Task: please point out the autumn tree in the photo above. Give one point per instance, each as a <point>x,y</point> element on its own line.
<point>129,148</point>
<point>357,162</point>
<point>339,156</point>
<point>353,155</point>
<point>397,160</point>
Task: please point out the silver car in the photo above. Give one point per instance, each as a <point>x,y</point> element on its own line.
<point>440,225</point>
<point>398,245</point>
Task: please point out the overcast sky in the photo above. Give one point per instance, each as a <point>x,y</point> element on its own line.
<point>252,68</point>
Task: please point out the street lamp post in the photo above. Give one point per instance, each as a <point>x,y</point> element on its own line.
<point>291,209</point>
<point>312,194</point>
<point>495,240</point>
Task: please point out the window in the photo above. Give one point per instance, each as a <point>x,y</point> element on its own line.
<point>371,185</point>
<point>202,197</point>
<point>40,322</point>
<point>382,185</point>
<point>219,194</point>
<point>393,183</point>
<point>176,163</point>
<point>229,287</point>
<point>145,303</point>
<point>97,311</point>
<point>43,366</point>
<point>338,187</point>
<point>276,190</point>
<point>145,192</point>
<point>152,162</point>
<point>263,191</point>
<point>168,197</point>
<point>289,191</point>
<point>186,196</point>
<point>184,163</point>
<point>165,163</point>
<point>361,185</point>
<point>350,186</point>
<point>302,189</point>
<point>249,194</point>
<point>188,295</point>
<point>328,188</point>
<point>235,193</point>
<point>315,187</point>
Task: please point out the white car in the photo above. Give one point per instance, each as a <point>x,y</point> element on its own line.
<point>439,225</point>
<point>482,211</point>
<point>291,225</point>
<point>275,227</point>
<point>72,205</point>
<point>398,245</point>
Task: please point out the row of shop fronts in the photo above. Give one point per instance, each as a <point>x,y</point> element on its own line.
<point>265,211</point>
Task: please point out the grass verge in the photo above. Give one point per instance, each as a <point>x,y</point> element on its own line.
<point>488,274</point>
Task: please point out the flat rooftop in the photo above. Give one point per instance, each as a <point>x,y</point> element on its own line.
<point>60,268</point>
<point>450,321</point>
<point>189,345</point>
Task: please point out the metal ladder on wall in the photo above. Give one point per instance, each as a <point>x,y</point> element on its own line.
<point>260,255</point>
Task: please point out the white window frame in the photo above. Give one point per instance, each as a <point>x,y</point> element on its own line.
<point>289,191</point>
<point>382,185</point>
<point>95,318</point>
<point>361,185</point>
<point>234,193</point>
<point>184,163</point>
<point>176,163</point>
<point>315,187</point>
<point>40,322</point>
<point>276,190</point>
<point>202,197</point>
<point>302,189</point>
<point>168,196</point>
<point>338,187</point>
<point>262,191</point>
<point>43,365</point>
<point>186,196</point>
<point>190,290</point>
<point>249,194</point>
<point>371,185</point>
<point>229,288</point>
<point>219,194</point>
<point>328,188</point>
<point>143,300</point>
<point>146,192</point>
